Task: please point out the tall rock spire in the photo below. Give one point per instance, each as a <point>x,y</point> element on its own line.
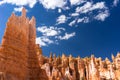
<point>19,60</point>
<point>24,12</point>
<point>32,21</point>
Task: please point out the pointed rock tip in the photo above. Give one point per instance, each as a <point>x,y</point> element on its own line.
<point>106,59</point>
<point>23,12</point>
<point>32,21</point>
<point>70,55</point>
<point>112,56</point>
<point>13,14</point>
<point>54,55</point>
<point>78,57</point>
<point>118,54</point>
<point>92,56</point>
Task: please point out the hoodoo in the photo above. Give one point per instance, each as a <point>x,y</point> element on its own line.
<point>18,53</point>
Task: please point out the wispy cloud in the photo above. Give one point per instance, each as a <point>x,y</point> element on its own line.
<point>19,4</point>
<point>59,10</point>
<point>90,11</point>
<point>47,35</point>
<point>18,9</point>
<point>84,20</point>
<point>52,35</point>
<point>74,14</point>
<point>77,2</point>
<point>115,2</point>
<point>102,15</point>
<point>89,6</point>
<point>66,36</point>
<point>61,19</point>
<point>72,23</point>
<point>52,4</point>
<point>43,41</point>
<point>79,20</point>
<point>85,13</point>
<point>50,31</point>
<point>30,3</point>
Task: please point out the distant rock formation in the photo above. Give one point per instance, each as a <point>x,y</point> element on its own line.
<point>22,59</point>
<point>88,68</point>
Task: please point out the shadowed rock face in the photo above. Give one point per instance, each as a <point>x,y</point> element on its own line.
<point>22,59</point>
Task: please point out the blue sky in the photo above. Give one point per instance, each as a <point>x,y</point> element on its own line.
<point>77,27</point>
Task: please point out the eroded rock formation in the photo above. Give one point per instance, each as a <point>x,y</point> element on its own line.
<point>22,59</point>
<point>18,53</point>
<point>89,68</point>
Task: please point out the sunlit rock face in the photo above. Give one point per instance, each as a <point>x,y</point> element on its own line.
<point>88,68</point>
<point>18,51</point>
<point>22,59</point>
<point>14,48</point>
<point>117,66</point>
<point>93,70</point>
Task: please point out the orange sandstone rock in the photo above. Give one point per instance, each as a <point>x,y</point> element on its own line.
<point>18,54</point>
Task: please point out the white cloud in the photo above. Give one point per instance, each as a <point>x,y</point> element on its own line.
<point>18,9</point>
<point>102,15</point>
<point>99,5</point>
<point>61,19</point>
<point>115,2</point>
<point>66,8</point>
<point>2,2</point>
<point>75,14</point>
<point>52,35</point>
<point>48,35</point>
<point>89,6</point>
<point>84,13</point>
<point>59,10</point>
<point>52,4</point>
<point>47,40</point>
<point>67,36</point>
<point>40,42</point>
<point>72,23</point>
<point>84,20</point>
<point>77,2</point>
<point>50,31</point>
<point>80,20</point>
<point>84,8</point>
<point>30,3</point>
<point>43,41</point>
